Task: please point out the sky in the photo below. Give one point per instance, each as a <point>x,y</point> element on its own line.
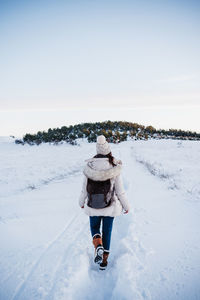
<point>67,62</point>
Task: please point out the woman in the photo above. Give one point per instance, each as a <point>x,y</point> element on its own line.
<point>103,170</point>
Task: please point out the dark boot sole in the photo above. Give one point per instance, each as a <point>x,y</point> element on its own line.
<point>102,268</point>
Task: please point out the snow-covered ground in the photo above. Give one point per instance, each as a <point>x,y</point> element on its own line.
<point>46,249</point>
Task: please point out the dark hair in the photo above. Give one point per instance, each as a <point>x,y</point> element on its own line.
<point>109,156</point>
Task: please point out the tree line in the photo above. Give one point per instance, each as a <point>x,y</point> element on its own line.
<point>114,131</point>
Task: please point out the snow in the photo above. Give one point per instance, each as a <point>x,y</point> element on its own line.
<point>46,249</point>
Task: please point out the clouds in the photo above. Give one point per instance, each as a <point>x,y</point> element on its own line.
<point>89,54</point>
<point>180,78</point>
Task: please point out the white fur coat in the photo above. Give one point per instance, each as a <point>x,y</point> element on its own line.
<point>100,169</point>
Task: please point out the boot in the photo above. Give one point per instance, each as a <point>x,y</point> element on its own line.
<point>104,263</point>
<point>98,245</point>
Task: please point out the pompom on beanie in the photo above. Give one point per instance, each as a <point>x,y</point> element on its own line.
<point>102,145</point>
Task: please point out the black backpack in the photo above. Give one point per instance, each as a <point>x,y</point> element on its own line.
<point>99,195</point>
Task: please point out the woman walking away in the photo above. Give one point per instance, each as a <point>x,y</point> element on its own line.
<point>103,198</point>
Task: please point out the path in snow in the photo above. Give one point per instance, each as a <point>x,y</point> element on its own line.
<point>152,254</point>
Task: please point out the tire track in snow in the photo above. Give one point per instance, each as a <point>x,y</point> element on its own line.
<point>11,277</point>
<point>70,267</point>
<point>130,255</point>
<point>58,240</point>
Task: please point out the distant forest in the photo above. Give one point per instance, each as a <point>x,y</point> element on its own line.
<point>115,132</point>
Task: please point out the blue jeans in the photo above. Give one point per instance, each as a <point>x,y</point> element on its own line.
<point>107,222</point>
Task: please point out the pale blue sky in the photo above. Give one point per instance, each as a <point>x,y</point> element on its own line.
<point>58,57</point>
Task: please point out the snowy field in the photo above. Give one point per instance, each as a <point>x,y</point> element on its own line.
<point>46,249</point>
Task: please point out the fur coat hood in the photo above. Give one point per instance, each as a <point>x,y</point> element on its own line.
<point>100,169</point>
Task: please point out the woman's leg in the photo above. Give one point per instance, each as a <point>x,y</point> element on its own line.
<point>95,223</point>
<point>106,232</point>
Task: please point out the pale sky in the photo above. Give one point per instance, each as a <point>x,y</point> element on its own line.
<point>66,62</point>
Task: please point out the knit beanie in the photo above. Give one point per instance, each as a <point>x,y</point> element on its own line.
<point>102,145</point>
